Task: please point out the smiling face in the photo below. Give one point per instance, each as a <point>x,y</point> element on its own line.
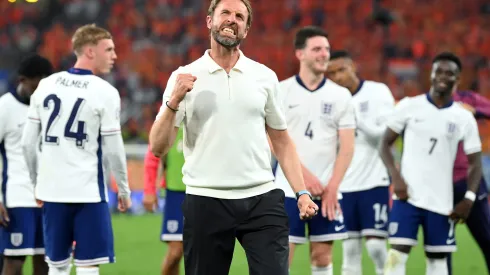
<point>444,76</point>
<point>316,54</point>
<point>229,23</point>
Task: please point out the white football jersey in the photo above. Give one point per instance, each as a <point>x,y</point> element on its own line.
<point>75,108</point>
<point>313,119</point>
<point>17,188</point>
<point>430,142</point>
<point>373,103</point>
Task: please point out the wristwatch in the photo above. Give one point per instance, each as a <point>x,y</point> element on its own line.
<point>302,192</point>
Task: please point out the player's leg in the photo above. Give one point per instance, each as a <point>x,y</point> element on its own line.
<point>439,240</point>
<point>322,234</point>
<point>19,238</point>
<point>374,208</point>
<point>478,222</point>
<point>209,235</point>
<point>39,264</point>
<point>479,225</point>
<point>351,247</point>
<point>404,221</point>
<point>172,228</point>
<point>94,243</point>
<point>58,222</point>
<point>297,233</point>
<point>264,233</point>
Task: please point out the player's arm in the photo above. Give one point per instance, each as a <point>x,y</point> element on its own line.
<point>284,148</point>
<point>171,114</point>
<point>375,127</point>
<point>112,142</point>
<point>472,147</point>
<point>395,126</point>
<point>30,136</point>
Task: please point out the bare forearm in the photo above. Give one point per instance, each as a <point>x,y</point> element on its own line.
<point>291,166</point>
<point>162,133</point>
<point>341,165</point>
<point>388,159</point>
<point>474,173</point>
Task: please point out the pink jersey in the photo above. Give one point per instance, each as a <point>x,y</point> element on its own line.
<point>482,107</point>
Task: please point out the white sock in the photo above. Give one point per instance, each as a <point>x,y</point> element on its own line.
<point>64,270</point>
<point>322,270</point>
<point>436,267</point>
<point>395,263</point>
<point>377,251</point>
<point>352,256</point>
<point>87,270</point>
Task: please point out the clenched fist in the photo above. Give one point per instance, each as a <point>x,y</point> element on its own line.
<point>183,84</point>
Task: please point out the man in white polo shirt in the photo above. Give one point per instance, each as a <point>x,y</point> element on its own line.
<point>228,105</point>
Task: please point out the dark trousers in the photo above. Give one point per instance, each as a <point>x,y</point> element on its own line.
<point>259,223</point>
<point>478,221</point>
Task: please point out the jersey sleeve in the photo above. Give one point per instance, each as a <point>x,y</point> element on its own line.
<point>110,120</point>
<point>471,138</point>
<point>167,94</point>
<point>274,115</point>
<point>399,118</point>
<point>347,115</point>
<point>33,111</point>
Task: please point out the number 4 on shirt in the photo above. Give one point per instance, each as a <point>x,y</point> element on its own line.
<point>79,135</point>
<point>309,131</point>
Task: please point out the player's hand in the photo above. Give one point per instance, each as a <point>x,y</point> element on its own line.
<point>313,184</point>
<point>330,203</point>
<point>4,216</point>
<point>150,202</point>
<point>400,187</point>
<point>307,208</point>
<point>124,203</point>
<point>183,84</point>
<point>468,107</point>
<point>461,211</point>
<point>39,203</point>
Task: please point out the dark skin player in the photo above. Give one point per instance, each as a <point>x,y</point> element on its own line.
<point>445,77</point>
<point>13,265</point>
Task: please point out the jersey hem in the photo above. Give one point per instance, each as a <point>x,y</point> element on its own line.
<point>279,127</point>
<point>472,150</point>
<point>236,193</point>
<point>444,213</point>
<point>35,120</point>
<point>348,190</point>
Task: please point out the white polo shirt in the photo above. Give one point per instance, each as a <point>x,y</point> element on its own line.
<point>224,116</point>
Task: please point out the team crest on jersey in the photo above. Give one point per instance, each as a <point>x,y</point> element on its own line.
<point>451,129</point>
<point>393,228</point>
<point>364,106</point>
<point>327,108</point>
<point>172,226</point>
<point>16,239</point>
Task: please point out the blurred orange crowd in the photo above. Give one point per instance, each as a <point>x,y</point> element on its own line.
<point>154,37</point>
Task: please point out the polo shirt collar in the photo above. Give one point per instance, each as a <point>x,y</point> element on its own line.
<point>213,66</point>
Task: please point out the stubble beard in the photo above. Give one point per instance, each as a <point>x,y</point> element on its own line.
<point>226,42</point>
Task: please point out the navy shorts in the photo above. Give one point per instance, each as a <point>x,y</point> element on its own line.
<point>88,224</point>
<point>405,220</point>
<point>366,212</point>
<point>173,226</point>
<point>320,229</point>
<point>24,234</point>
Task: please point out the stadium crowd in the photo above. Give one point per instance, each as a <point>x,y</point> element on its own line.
<point>392,44</point>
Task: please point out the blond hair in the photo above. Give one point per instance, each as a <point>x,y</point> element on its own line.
<point>248,5</point>
<point>88,34</point>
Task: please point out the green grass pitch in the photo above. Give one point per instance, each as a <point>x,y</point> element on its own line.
<point>139,252</point>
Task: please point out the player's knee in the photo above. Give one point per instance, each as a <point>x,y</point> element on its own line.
<point>175,251</point>
<point>59,270</point>
<point>352,249</point>
<point>431,255</point>
<point>321,254</point>
<point>87,270</point>
<point>376,247</point>
<point>402,248</point>
<point>14,263</point>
